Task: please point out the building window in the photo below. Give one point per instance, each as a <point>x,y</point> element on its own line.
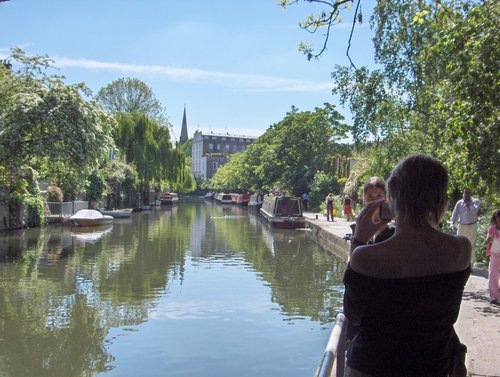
<point>215,165</point>
<point>210,146</point>
<point>218,147</point>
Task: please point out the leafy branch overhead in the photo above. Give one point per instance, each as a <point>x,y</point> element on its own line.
<point>435,90</point>
<point>323,19</point>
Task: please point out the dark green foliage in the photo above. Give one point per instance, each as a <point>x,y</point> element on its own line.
<point>35,213</point>
<point>95,186</point>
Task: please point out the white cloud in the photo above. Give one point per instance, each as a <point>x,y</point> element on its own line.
<point>247,82</point>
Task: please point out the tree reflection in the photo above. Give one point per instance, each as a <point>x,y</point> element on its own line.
<point>62,289</point>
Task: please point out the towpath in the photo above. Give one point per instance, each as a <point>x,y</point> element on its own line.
<point>478,324</point>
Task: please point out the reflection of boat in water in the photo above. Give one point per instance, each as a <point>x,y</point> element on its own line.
<point>283,211</point>
<point>90,217</point>
<point>171,210</point>
<point>282,241</point>
<point>118,213</point>
<point>91,236</point>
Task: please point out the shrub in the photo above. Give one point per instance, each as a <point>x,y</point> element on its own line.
<point>54,194</point>
<point>35,211</point>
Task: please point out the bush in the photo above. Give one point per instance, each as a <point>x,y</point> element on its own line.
<point>95,186</point>
<point>35,211</point>
<point>54,194</point>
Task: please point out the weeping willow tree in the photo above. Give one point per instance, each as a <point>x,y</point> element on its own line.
<point>145,143</point>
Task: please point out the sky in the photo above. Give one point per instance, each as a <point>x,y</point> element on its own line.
<point>233,64</point>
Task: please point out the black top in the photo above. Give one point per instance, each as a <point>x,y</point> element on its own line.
<point>406,324</point>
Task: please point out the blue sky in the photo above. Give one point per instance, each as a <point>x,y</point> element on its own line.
<point>234,64</point>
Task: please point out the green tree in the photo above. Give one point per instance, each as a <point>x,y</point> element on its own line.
<point>437,90</point>
<point>94,187</point>
<point>288,155</point>
<point>147,144</point>
<point>131,95</point>
<point>121,180</point>
<point>301,144</point>
<point>45,123</point>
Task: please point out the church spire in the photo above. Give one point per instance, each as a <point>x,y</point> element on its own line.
<point>184,129</point>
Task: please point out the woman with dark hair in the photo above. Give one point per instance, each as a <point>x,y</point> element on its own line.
<point>405,292</point>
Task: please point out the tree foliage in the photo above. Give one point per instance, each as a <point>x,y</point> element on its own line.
<point>437,91</point>
<point>45,123</point>
<point>147,144</point>
<point>288,155</point>
<point>326,18</point>
<point>131,95</point>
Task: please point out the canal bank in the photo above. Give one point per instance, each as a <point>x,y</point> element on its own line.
<point>478,324</point>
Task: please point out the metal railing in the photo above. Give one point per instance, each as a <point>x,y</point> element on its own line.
<point>65,209</point>
<point>335,350</point>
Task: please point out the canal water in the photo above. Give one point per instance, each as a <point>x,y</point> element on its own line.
<point>197,289</point>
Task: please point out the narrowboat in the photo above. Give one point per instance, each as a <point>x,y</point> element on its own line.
<point>255,201</point>
<point>118,213</point>
<point>225,199</point>
<point>283,211</point>
<point>241,199</point>
<point>168,198</point>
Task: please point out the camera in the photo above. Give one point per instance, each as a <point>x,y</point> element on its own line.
<point>385,211</point>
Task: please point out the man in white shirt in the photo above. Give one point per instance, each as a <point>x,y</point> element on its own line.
<point>466,213</point>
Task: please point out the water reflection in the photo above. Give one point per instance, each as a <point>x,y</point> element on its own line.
<point>137,297</point>
<point>90,234</point>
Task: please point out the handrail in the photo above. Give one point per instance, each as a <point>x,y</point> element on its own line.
<point>335,349</point>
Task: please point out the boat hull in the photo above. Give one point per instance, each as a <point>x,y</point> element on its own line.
<point>90,217</point>
<point>241,199</point>
<point>169,198</point>
<point>118,214</point>
<point>167,202</point>
<point>284,222</point>
<point>283,212</point>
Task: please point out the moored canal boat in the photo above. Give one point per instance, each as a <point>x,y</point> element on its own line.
<point>241,199</point>
<point>118,213</point>
<point>168,198</point>
<point>223,198</point>
<point>283,211</point>
<point>90,217</point>
<point>255,201</point>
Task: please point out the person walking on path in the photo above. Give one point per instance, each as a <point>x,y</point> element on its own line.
<point>305,200</point>
<point>347,208</point>
<point>466,213</point>
<point>329,207</point>
<point>492,242</point>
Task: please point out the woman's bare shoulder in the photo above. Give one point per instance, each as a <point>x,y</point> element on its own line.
<point>369,259</point>
<point>399,257</point>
